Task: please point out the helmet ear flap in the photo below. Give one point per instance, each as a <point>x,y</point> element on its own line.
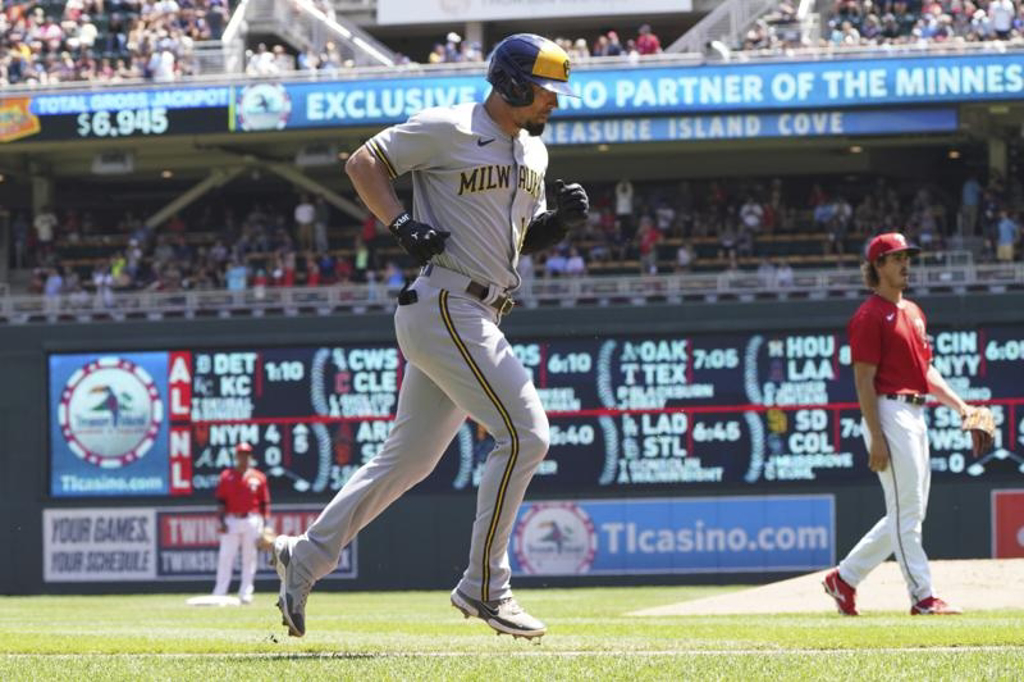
<point>504,75</point>
<point>520,92</point>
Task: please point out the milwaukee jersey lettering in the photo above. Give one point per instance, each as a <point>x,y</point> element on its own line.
<point>472,179</point>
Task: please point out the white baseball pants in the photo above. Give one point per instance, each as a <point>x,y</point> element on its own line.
<point>459,364</point>
<point>905,482</point>
<point>242,532</point>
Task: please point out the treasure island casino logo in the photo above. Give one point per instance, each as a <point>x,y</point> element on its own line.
<point>110,412</point>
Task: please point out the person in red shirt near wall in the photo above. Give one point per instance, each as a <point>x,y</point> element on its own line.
<point>244,509</point>
<point>893,375</point>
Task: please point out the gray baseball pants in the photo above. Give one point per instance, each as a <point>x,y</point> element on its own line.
<point>459,364</point>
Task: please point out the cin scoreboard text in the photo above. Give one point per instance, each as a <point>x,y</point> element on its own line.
<point>626,413</point>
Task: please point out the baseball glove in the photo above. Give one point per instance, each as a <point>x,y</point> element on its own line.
<point>265,541</point>
<point>982,427</point>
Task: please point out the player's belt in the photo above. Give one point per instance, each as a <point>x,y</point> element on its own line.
<point>443,278</point>
<point>912,398</point>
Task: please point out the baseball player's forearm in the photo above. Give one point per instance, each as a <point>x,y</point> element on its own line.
<point>864,382</point>
<point>373,184</point>
<point>938,387</point>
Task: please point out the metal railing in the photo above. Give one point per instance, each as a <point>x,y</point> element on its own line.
<point>226,55</point>
<point>724,23</point>
<point>569,291</point>
<point>303,25</point>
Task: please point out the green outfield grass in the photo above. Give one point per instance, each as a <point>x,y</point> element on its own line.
<point>417,635</point>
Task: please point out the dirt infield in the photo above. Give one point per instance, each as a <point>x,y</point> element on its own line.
<point>975,585</point>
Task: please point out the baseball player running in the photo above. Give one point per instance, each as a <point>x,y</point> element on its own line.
<point>478,203</point>
<point>893,373</point>
<point>244,509</point>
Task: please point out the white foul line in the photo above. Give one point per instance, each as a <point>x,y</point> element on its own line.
<point>538,652</point>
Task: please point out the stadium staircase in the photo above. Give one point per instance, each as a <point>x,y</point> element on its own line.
<point>299,24</point>
<point>727,24</point>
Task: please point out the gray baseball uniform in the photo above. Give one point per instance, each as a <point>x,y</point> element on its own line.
<point>473,179</point>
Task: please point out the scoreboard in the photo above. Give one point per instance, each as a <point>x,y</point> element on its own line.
<point>627,413</point>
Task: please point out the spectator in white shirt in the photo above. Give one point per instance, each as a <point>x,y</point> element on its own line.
<point>555,265</point>
<point>1000,14</point>
<point>44,224</point>
<point>574,265</point>
<point>783,275</point>
<point>766,274</point>
<point>684,257</point>
<point>624,206</point>
<point>752,216</point>
<point>305,217</point>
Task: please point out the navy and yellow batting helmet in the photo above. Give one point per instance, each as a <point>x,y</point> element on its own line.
<point>525,59</point>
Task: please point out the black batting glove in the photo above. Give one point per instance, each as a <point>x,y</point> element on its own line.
<point>421,241</point>
<point>571,204</point>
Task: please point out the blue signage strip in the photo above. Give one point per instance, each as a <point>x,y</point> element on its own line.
<point>640,91</point>
<point>684,535</point>
<point>800,85</point>
<point>116,100</point>
<point>817,123</point>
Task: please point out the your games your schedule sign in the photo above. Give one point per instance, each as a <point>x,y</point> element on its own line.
<point>627,413</point>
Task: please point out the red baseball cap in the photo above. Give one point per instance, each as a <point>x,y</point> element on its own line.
<point>243,447</point>
<point>887,243</point>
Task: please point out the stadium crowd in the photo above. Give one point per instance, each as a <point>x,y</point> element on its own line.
<point>866,22</point>
<point>53,41</point>
<point>104,40</point>
<point>49,41</point>
<point>769,226</point>
<point>605,44</point>
<point>886,24</point>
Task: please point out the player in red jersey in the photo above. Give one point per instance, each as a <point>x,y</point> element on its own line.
<point>893,374</point>
<point>244,508</point>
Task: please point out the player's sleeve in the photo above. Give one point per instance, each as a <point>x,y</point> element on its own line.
<point>221,492</point>
<point>265,498</point>
<point>928,346</point>
<point>412,145</point>
<point>865,335</point>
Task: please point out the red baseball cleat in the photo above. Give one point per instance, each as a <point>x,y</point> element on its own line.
<point>933,606</point>
<point>840,590</point>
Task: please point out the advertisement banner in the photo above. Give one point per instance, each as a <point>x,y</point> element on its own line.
<point>684,535</point>
<point>99,545</point>
<point>1008,524</point>
<point>161,544</point>
<point>16,121</point>
<point>110,114</point>
<point>189,542</point>
<point>749,126</point>
<point>460,11</point>
<point>108,429</point>
<point>654,91</point>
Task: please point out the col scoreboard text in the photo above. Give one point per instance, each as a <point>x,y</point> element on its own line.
<point>626,413</point>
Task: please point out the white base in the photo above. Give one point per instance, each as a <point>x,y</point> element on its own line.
<point>213,600</point>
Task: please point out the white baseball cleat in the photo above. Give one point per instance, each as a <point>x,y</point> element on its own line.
<point>292,596</point>
<point>506,616</point>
